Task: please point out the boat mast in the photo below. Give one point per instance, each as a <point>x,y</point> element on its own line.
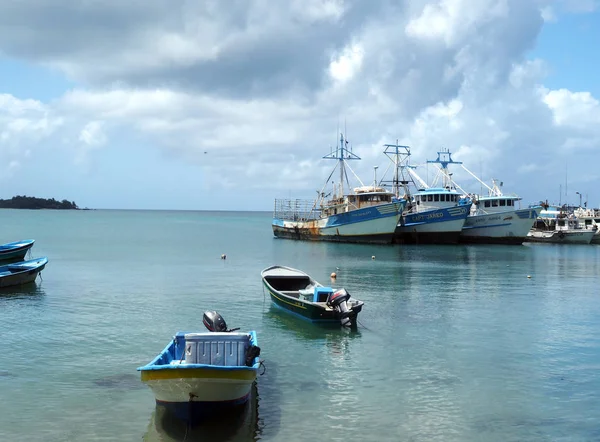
<point>443,159</point>
<point>342,154</point>
<point>397,153</point>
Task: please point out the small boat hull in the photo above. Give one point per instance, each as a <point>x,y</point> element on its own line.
<point>15,251</point>
<point>510,227</point>
<point>193,390</point>
<point>20,273</point>
<point>311,311</point>
<point>561,236</point>
<point>370,225</point>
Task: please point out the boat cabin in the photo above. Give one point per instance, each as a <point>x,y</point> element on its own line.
<point>494,204</point>
<point>362,197</point>
<point>436,197</point>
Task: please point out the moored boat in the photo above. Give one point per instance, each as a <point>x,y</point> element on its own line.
<point>298,293</point>
<point>432,215</point>
<point>23,272</point>
<point>364,214</point>
<point>590,219</point>
<point>15,251</point>
<point>200,374</point>
<point>555,226</point>
<point>496,219</point>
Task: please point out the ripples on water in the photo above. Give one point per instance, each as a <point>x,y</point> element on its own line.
<point>454,343</point>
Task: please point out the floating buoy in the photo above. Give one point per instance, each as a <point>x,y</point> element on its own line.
<point>223,256</point>
<point>529,276</point>
<point>333,275</point>
<point>373,257</point>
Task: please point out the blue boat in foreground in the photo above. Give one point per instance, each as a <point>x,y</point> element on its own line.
<point>22,272</point>
<point>200,374</point>
<point>15,251</point>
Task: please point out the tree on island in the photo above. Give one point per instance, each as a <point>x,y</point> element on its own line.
<point>30,202</point>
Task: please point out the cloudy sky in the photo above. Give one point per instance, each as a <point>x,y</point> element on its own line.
<point>227,104</point>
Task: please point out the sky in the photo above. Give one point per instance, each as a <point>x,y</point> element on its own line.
<point>226,105</point>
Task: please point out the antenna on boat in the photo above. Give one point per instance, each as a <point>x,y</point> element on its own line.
<point>443,159</point>
<point>342,154</point>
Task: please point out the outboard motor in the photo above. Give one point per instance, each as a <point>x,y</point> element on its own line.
<point>339,302</point>
<point>214,322</point>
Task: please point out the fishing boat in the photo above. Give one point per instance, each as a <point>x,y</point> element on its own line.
<point>298,293</point>
<point>364,214</point>
<point>200,374</point>
<point>590,218</point>
<point>496,218</point>
<point>23,272</point>
<point>433,215</point>
<point>553,225</point>
<point>15,251</point>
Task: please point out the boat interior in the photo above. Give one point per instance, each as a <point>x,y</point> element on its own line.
<point>225,349</point>
<point>300,287</point>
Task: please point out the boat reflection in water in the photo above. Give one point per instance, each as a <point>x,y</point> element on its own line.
<point>238,424</point>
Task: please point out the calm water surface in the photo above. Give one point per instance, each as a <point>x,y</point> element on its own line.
<point>455,342</point>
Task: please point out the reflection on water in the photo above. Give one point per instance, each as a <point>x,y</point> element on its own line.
<point>30,290</point>
<point>239,424</point>
<point>288,323</point>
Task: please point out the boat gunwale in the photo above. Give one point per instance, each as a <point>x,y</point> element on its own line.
<point>154,366</point>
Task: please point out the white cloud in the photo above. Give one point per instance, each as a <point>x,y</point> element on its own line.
<point>263,86</point>
<point>345,66</point>
<point>92,134</point>
<point>574,109</point>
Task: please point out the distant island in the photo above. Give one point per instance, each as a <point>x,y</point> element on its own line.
<point>30,202</point>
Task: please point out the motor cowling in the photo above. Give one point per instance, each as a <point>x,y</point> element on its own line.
<point>214,322</point>
<point>339,302</point>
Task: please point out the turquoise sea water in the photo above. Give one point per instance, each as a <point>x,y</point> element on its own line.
<point>455,342</point>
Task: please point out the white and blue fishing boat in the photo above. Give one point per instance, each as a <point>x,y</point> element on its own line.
<point>365,214</point>
<point>200,374</point>
<point>15,251</point>
<point>23,272</point>
<point>433,215</point>
<point>496,218</point>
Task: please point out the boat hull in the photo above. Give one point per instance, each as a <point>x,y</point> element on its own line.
<point>16,251</point>
<point>21,273</point>
<point>192,394</point>
<point>308,311</point>
<point>371,225</point>
<point>561,237</point>
<point>437,226</point>
<point>200,374</point>
<point>510,227</point>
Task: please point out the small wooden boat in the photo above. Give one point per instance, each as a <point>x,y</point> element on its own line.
<point>21,272</point>
<point>200,374</point>
<point>295,291</point>
<point>15,251</point>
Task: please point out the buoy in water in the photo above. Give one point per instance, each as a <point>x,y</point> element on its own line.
<point>333,275</point>
<point>373,257</point>
<point>223,256</point>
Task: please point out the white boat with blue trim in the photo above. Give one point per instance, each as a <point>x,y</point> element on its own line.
<point>200,374</point>
<point>433,215</point>
<point>554,225</point>
<point>364,214</point>
<point>496,219</point>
